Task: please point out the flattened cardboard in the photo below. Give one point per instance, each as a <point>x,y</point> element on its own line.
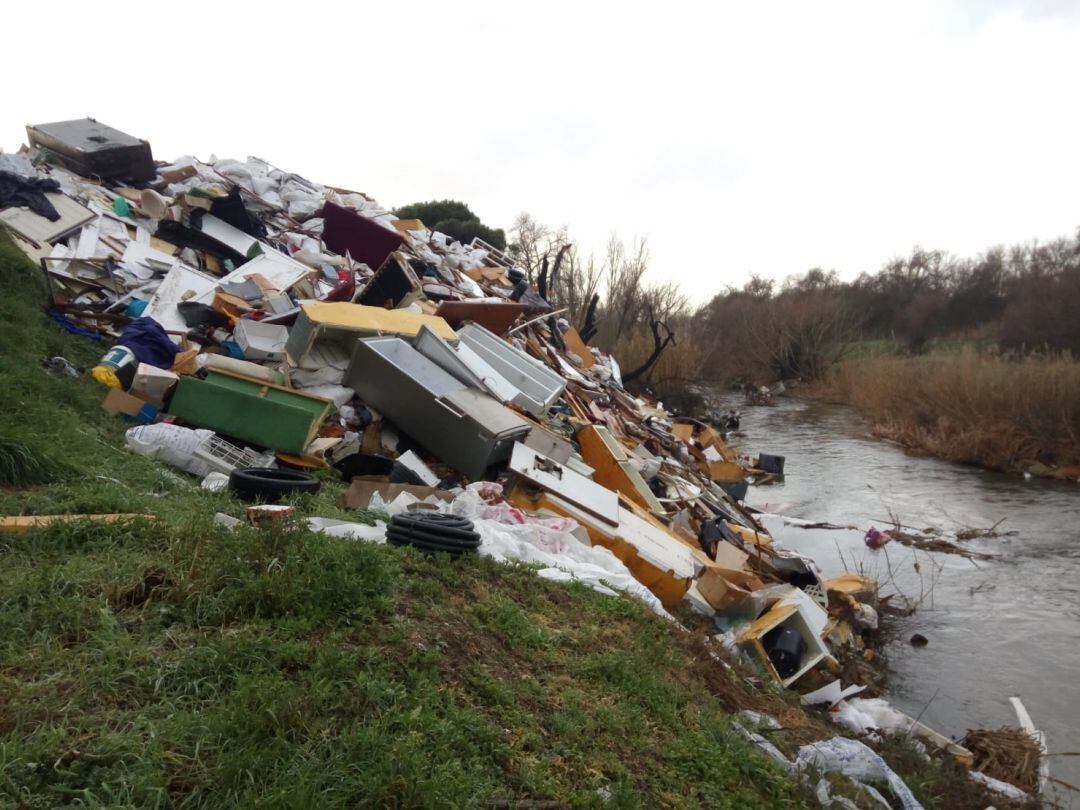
<point>721,594</point>
<point>730,557</point>
<point>362,487</point>
<point>121,402</point>
<point>682,431</point>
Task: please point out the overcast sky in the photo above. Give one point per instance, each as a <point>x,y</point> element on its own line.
<point>738,138</point>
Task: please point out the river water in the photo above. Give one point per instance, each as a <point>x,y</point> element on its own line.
<point>1010,626</point>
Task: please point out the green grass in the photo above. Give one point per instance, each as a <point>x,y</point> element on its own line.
<point>169,663</point>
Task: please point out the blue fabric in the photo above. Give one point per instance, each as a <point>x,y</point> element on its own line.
<point>72,327</point>
<point>150,343</point>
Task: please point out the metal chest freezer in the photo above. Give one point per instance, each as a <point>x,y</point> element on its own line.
<point>465,428</point>
<point>536,386</point>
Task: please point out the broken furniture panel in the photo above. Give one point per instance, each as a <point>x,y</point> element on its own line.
<point>575,344</point>
<point>408,225</point>
<point>725,471</point>
<point>464,428</point>
<point>464,364</point>
<point>280,271</point>
<point>442,354</point>
<point>263,414</point>
<point>577,489</point>
<point>231,237</point>
<point>261,341</point>
<point>393,285</point>
<point>19,524</point>
<point>495,316</point>
<point>345,231</point>
<point>41,230</point>
<point>613,469</point>
<point>656,558</point>
<point>181,283</point>
<point>342,325</point>
<point>493,275</point>
<point>538,386</point>
<point>550,444</point>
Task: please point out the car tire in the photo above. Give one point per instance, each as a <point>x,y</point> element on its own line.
<point>269,484</point>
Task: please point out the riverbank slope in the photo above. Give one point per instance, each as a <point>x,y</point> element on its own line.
<point>168,662</point>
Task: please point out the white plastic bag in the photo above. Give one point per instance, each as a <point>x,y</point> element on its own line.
<point>349,531</point>
<point>170,443</point>
<point>215,482</point>
<point>863,715</point>
<point>508,533</point>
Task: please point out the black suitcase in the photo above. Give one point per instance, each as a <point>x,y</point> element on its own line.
<point>90,148</point>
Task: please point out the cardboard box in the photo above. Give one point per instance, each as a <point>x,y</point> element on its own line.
<point>730,557</point>
<point>726,589</point>
<point>123,403</point>
<point>360,490</point>
<point>261,341</point>
<point>718,592</point>
<point>152,384</point>
<point>682,431</point>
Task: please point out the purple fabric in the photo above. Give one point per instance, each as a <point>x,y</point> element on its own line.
<point>149,342</point>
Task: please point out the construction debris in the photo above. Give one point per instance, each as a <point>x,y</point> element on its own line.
<point>259,319</point>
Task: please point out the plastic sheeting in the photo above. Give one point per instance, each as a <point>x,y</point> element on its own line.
<point>513,535</point>
<point>349,531</point>
<point>856,761</point>
<point>510,534</point>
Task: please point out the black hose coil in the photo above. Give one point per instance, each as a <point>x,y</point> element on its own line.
<point>433,532</point>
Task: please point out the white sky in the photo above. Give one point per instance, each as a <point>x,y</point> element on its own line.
<point>737,137</point>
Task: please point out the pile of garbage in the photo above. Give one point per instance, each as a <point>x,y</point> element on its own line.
<point>258,327</point>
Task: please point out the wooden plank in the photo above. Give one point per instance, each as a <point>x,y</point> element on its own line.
<point>18,524</point>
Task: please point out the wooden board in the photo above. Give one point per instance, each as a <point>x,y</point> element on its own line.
<point>24,523</point>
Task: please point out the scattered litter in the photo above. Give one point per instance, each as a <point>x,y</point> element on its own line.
<point>259,326</point>
<point>854,759</point>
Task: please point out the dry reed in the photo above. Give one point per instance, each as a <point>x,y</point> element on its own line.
<point>1009,754</point>
<point>1001,413</point>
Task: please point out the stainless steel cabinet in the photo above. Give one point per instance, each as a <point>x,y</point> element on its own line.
<point>464,428</point>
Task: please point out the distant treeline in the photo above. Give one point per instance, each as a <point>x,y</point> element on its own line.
<point>1020,299</point>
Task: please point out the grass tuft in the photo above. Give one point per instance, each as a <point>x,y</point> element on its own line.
<point>21,466</point>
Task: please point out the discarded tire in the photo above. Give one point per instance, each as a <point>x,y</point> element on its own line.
<point>267,484</point>
<point>434,532</point>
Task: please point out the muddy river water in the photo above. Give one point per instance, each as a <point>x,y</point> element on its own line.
<point>1010,626</point>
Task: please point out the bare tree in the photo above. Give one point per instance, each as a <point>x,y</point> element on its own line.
<point>576,284</point>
